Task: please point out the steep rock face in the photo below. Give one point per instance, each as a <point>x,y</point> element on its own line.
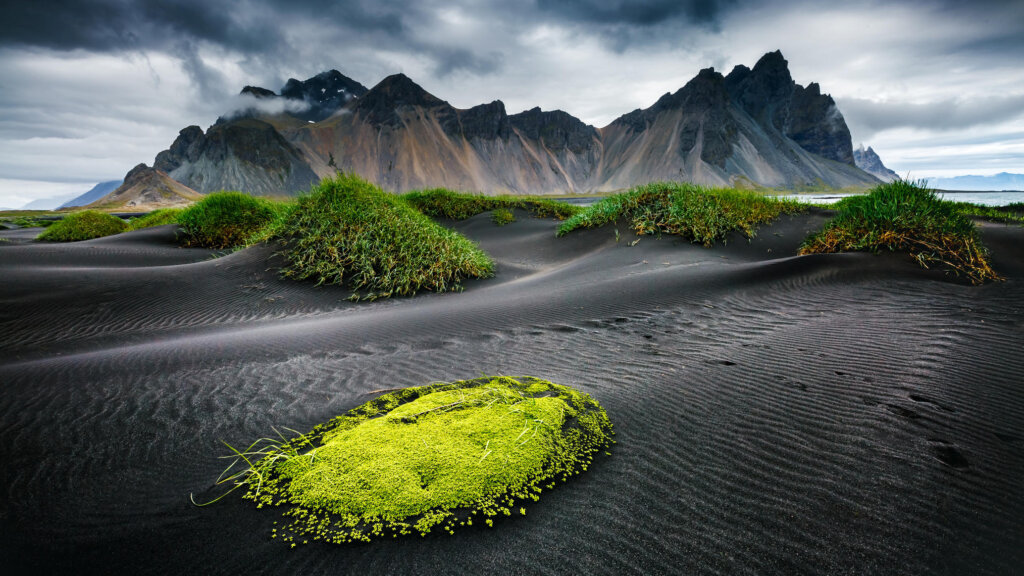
<point>868,161</point>
<point>688,136</point>
<point>485,122</point>
<point>737,130</point>
<point>146,188</point>
<point>245,154</point>
<point>811,119</point>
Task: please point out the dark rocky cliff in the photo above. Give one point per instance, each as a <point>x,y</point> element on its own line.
<point>811,119</point>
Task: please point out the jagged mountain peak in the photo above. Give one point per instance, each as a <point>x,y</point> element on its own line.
<point>401,89</point>
<point>325,93</point>
<point>869,161</point>
<point>258,92</point>
<point>381,103</point>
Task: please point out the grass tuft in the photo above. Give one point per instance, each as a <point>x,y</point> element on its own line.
<point>700,214</point>
<point>159,217</point>
<point>425,458</point>
<point>444,203</point>
<point>906,216</point>
<point>84,225</point>
<point>502,216</point>
<point>350,231</point>
<point>229,219</point>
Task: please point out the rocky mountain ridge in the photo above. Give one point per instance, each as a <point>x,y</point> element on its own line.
<point>868,161</point>
<point>753,127</point>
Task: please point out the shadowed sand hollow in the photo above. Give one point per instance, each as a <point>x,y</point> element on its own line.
<point>845,413</point>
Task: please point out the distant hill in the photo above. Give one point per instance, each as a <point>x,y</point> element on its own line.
<point>755,126</point>
<point>98,191</point>
<point>868,161</point>
<point>1001,181</point>
<point>145,189</point>
<point>49,203</point>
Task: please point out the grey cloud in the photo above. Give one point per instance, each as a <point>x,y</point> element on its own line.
<point>868,117</point>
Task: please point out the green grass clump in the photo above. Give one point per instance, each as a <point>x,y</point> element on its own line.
<point>159,217</point>
<point>228,220</point>
<point>32,222</point>
<point>441,456</point>
<point>502,216</point>
<point>350,231</point>
<point>84,225</point>
<point>1009,213</point>
<point>700,214</point>
<point>906,216</point>
<point>444,203</point>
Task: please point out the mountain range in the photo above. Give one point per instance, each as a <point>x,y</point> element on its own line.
<point>1000,182</point>
<point>752,127</point>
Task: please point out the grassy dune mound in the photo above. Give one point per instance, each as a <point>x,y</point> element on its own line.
<point>443,203</point>
<point>699,214</point>
<point>348,231</point>
<point>84,225</point>
<point>441,456</point>
<point>159,217</point>
<point>906,216</point>
<point>228,219</point>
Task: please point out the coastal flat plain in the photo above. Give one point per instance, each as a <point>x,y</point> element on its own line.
<point>825,414</point>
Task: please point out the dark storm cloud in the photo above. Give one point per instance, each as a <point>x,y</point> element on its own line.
<point>271,31</point>
<point>638,13</point>
<point>111,25</point>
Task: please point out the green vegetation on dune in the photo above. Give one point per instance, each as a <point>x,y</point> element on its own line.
<point>230,219</point>
<point>1009,213</point>
<point>348,231</point>
<point>159,217</point>
<point>906,216</point>
<point>699,214</point>
<point>443,203</point>
<point>443,456</point>
<point>84,225</point>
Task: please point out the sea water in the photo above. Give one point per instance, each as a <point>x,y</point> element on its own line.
<point>983,198</point>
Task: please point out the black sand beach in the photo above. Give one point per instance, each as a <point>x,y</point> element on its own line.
<point>827,414</point>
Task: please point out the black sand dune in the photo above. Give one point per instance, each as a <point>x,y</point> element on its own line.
<point>831,414</point>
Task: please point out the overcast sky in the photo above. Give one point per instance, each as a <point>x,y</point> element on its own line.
<point>92,87</point>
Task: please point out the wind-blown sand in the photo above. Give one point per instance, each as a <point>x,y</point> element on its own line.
<point>846,413</point>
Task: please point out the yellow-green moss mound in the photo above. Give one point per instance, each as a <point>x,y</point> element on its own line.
<point>433,457</point>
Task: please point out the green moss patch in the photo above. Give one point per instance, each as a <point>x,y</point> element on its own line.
<point>228,220</point>
<point>348,231</point>
<point>906,216</point>
<point>444,203</point>
<point>699,214</point>
<point>159,217</point>
<point>417,460</point>
<point>84,225</point>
